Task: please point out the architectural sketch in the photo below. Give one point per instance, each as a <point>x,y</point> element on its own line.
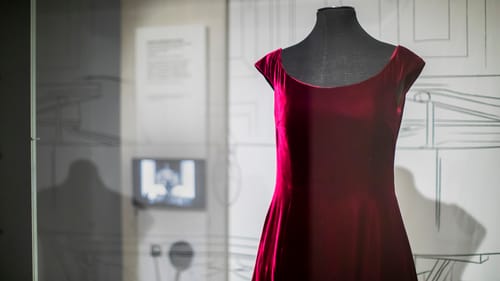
<point>442,118</point>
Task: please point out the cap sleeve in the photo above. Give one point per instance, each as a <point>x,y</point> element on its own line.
<point>265,66</point>
<point>412,65</point>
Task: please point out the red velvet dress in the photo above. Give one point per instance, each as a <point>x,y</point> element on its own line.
<point>334,215</point>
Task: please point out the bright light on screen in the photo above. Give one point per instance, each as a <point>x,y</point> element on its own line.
<point>170,182</point>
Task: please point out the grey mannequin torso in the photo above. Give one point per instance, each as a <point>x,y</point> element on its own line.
<point>337,52</point>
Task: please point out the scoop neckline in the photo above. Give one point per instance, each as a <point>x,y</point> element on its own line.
<point>376,75</point>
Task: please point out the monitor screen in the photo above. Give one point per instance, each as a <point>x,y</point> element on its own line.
<point>176,183</point>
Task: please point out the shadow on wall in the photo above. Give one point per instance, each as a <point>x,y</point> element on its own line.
<point>441,254</point>
<point>79,227</point>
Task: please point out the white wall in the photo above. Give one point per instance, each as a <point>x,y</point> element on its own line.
<point>447,158</point>
<point>197,137</point>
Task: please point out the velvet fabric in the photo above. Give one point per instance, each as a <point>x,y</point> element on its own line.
<point>334,215</point>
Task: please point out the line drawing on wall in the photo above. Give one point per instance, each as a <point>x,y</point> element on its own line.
<point>444,118</point>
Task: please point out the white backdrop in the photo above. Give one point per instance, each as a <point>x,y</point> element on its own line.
<point>448,155</point>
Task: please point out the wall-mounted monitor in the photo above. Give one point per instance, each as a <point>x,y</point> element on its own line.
<point>171,183</point>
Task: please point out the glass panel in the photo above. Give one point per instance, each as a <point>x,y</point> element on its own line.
<point>34,139</point>
<point>132,151</point>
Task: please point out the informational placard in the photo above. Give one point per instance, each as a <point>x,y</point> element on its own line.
<point>171,84</point>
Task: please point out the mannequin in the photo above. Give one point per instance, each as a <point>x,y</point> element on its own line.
<point>337,52</point>
<point>334,214</point>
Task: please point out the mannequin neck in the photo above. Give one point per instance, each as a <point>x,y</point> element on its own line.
<point>338,51</point>
<point>334,23</point>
